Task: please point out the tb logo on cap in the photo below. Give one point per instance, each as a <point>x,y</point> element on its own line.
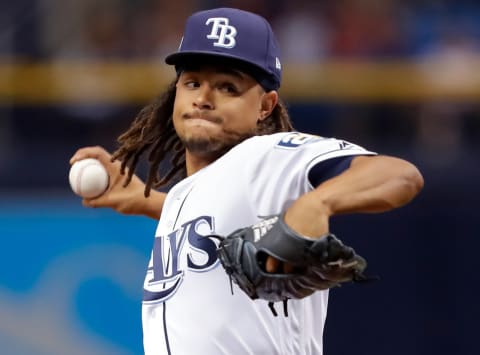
<point>222,32</point>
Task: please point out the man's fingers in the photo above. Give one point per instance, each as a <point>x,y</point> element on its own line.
<point>272,264</point>
<point>96,152</point>
<point>275,266</point>
<point>288,268</point>
<point>93,202</point>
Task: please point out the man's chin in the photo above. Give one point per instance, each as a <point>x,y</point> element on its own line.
<point>206,147</point>
<point>212,147</point>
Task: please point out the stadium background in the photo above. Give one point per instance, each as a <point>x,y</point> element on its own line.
<point>398,77</point>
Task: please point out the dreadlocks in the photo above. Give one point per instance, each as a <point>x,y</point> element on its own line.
<point>152,132</point>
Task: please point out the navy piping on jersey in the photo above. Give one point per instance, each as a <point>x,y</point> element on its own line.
<point>327,169</point>
<point>165,333</point>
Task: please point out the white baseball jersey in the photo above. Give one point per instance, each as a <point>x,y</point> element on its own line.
<point>187,306</point>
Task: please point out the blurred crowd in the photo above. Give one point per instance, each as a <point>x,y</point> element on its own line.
<point>308,30</point>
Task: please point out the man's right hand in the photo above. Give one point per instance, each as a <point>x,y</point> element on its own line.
<point>128,200</point>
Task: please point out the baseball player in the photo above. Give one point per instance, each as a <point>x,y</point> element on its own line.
<point>236,159</point>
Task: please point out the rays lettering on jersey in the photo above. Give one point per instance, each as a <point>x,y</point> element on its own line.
<point>165,274</point>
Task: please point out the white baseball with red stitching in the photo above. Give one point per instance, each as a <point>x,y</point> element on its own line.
<point>88,178</point>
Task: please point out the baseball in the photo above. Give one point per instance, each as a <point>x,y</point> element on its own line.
<point>88,178</point>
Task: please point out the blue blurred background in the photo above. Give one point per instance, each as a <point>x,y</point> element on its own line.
<point>397,77</point>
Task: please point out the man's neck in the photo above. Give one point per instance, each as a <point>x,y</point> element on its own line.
<point>195,162</point>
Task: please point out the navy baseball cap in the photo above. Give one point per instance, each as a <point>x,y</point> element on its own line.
<point>226,35</point>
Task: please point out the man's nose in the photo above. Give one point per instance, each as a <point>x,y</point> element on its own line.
<point>204,99</point>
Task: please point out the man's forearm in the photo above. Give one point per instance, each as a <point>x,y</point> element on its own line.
<point>371,184</point>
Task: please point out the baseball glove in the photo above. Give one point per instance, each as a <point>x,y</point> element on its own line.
<point>317,264</point>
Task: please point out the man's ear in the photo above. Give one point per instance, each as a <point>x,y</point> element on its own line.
<point>269,101</point>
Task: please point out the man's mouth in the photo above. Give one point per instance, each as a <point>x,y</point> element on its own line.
<point>204,117</point>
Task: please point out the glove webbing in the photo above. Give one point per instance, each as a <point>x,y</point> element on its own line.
<point>270,304</point>
<point>274,311</point>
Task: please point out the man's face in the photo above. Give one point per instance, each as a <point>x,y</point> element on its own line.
<point>215,109</point>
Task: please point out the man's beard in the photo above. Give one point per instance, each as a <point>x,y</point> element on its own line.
<point>214,147</point>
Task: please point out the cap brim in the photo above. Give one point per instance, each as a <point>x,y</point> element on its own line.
<point>192,58</point>
<point>180,58</point>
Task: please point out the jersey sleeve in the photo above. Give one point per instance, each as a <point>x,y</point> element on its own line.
<point>284,166</point>
<point>328,169</point>
<point>330,158</point>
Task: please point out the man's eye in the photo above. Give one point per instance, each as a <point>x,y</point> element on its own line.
<point>229,88</point>
<point>191,84</point>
